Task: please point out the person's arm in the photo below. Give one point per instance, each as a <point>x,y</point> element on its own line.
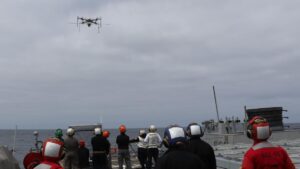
<point>134,140</point>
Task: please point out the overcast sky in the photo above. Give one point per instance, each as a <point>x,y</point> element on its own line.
<point>153,62</point>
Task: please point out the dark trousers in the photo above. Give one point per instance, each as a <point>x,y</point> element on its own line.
<point>152,153</point>
<point>142,156</point>
<point>123,154</point>
<point>99,161</point>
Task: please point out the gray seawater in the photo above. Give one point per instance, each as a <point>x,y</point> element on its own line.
<point>25,139</point>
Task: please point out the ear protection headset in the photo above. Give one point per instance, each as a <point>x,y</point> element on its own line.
<point>173,136</point>
<point>194,129</point>
<point>258,128</point>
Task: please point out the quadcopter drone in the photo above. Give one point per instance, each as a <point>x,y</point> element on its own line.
<point>89,22</point>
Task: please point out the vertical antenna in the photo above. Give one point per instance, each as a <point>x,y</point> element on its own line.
<point>216,103</point>
<point>15,136</point>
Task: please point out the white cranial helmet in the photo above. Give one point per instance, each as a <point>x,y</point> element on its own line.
<point>152,128</point>
<point>70,131</point>
<point>142,132</point>
<point>97,131</point>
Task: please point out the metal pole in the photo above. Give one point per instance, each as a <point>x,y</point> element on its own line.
<point>15,136</point>
<point>216,103</point>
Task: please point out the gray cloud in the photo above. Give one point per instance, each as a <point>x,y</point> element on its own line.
<point>155,63</point>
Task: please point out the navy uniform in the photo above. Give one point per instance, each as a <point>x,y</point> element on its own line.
<point>199,147</point>
<point>177,156</point>
<point>101,147</point>
<point>123,148</point>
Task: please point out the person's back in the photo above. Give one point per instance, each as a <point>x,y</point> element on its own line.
<point>265,155</point>
<point>153,141</point>
<point>101,147</point>
<point>179,159</point>
<point>83,155</point>
<point>123,141</point>
<point>177,156</point>
<point>71,150</point>
<point>199,147</point>
<point>123,148</point>
<point>71,144</point>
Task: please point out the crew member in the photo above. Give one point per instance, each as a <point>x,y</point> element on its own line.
<point>123,148</point>
<point>83,155</point>
<point>199,147</point>
<point>106,134</point>
<point>71,150</point>
<point>153,141</point>
<point>142,148</point>
<point>51,154</point>
<point>59,134</point>
<point>177,157</point>
<point>263,154</point>
<point>101,148</point>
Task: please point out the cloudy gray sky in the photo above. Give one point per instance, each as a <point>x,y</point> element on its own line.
<point>155,61</point>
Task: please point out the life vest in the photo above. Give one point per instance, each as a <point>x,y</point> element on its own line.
<point>265,155</point>
<point>153,140</point>
<point>141,143</point>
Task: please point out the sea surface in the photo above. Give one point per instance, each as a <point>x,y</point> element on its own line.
<point>25,140</point>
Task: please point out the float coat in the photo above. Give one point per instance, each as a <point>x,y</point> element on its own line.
<point>264,155</point>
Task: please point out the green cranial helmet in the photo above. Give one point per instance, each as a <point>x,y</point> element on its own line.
<point>58,133</point>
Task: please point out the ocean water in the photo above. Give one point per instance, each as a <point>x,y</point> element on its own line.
<point>25,140</point>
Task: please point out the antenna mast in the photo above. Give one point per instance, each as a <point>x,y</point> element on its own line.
<point>216,103</point>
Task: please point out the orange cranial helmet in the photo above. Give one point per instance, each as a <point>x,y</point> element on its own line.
<point>122,128</point>
<point>106,133</point>
<point>258,129</point>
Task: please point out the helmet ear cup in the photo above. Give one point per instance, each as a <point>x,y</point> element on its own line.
<point>166,143</point>
<point>249,132</point>
<point>188,131</point>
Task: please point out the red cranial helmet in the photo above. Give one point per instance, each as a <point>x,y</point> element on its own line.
<point>122,128</point>
<point>81,143</point>
<point>106,133</point>
<point>258,129</point>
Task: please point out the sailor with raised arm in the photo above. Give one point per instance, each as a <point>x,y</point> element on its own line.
<point>142,148</point>
<point>123,148</point>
